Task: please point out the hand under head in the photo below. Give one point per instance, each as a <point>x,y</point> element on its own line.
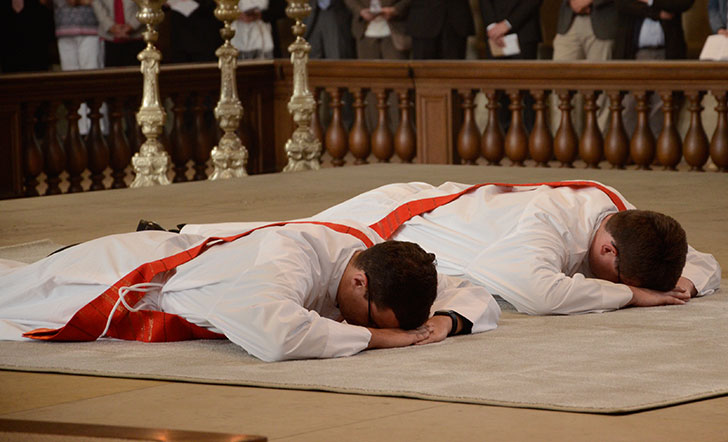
<point>639,248</point>
<point>389,285</point>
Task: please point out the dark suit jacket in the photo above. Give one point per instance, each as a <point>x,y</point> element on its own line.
<point>196,37</point>
<point>631,15</point>
<point>428,17</point>
<point>718,14</point>
<point>603,18</point>
<point>523,15</point>
<point>343,17</point>
<point>359,26</point>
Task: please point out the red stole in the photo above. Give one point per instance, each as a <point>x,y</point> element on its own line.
<point>145,325</point>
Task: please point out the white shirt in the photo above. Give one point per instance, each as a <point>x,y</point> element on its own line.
<point>526,244</point>
<point>272,292</point>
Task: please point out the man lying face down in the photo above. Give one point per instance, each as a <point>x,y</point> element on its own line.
<point>299,290</point>
<point>553,248</point>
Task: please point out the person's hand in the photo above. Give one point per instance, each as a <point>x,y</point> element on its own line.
<point>580,6</point>
<point>687,285</point>
<point>498,30</point>
<point>439,326</point>
<point>389,12</point>
<point>119,30</point>
<point>664,15</point>
<point>250,15</point>
<point>395,337</point>
<point>642,297</point>
<point>499,42</point>
<point>367,15</point>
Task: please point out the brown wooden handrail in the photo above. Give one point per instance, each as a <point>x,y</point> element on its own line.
<point>421,111</point>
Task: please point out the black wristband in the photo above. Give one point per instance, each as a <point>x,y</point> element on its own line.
<point>453,317</point>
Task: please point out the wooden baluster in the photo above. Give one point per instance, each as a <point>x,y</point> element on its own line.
<point>642,145</point>
<point>696,146</point>
<point>405,141</point>
<point>359,143</point>
<point>55,157</point>
<point>540,143</point>
<point>669,145</point>
<point>76,153</point>
<point>516,142</point>
<point>719,142</point>
<point>591,145</point>
<point>566,144</point>
<point>180,138</point>
<point>98,150</point>
<point>318,131</point>
<point>336,139</point>
<point>32,153</point>
<point>616,143</point>
<point>492,143</point>
<point>468,141</point>
<point>382,140</point>
<point>119,149</point>
<point>204,137</point>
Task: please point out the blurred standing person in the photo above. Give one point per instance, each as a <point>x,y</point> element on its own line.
<point>194,31</point>
<point>276,11</point>
<point>520,17</point>
<point>585,30</point>
<point>649,30</point>
<point>718,16</point>
<point>77,32</point>
<point>379,30</point>
<point>440,28</point>
<point>328,29</point>
<point>26,32</point>
<point>378,27</point>
<point>120,30</point>
<point>253,37</point>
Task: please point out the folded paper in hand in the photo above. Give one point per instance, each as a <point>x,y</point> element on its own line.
<point>715,48</point>
<point>510,46</point>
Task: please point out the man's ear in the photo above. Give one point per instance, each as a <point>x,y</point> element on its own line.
<point>608,249</point>
<point>360,279</point>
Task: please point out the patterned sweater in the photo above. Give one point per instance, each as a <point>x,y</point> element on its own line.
<point>74,20</point>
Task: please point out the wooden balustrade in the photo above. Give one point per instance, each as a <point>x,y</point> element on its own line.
<point>406,111</point>
<point>44,143</point>
<point>441,98</point>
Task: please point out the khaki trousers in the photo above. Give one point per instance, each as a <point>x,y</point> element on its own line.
<point>580,43</point>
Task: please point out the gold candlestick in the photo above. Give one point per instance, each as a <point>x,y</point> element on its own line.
<point>151,163</point>
<point>229,156</point>
<point>303,149</point>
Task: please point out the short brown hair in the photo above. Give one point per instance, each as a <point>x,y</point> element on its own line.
<point>401,276</point>
<point>651,248</point>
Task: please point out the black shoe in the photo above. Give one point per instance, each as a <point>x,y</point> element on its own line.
<point>178,229</point>
<point>149,225</point>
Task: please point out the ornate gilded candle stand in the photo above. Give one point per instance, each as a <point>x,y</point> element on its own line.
<point>303,149</point>
<point>229,157</point>
<point>151,163</point>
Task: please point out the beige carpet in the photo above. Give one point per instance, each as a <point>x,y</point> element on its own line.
<point>622,361</point>
<point>615,362</point>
